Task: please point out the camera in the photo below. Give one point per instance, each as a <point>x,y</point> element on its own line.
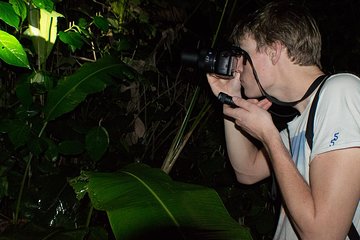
<point>221,62</point>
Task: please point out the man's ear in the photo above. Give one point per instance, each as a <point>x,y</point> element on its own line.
<point>275,51</point>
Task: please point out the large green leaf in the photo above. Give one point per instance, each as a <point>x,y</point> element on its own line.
<point>73,39</point>
<point>8,15</point>
<point>19,7</point>
<point>48,5</point>
<point>18,131</point>
<point>90,78</point>
<point>11,51</point>
<point>97,142</point>
<point>145,203</point>
<point>23,92</point>
<point>102,23</point>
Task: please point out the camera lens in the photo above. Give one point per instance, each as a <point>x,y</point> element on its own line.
<point>190,57</point>
<point>204,59</point>
<point>220,62</point>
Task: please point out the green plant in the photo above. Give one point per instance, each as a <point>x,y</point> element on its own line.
<point>143,202</point>
<point>87,90</point>
<point>29,123</point>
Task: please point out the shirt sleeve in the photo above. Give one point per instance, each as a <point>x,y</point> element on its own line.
<point>337,116</point>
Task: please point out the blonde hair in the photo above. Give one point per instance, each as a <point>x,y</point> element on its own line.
<point>290,24</point>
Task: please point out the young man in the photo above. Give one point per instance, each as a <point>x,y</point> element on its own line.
<point>280,60</point>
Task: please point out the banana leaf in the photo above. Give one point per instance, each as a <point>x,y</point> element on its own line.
<point>90,78</point>
<point>145,203</point>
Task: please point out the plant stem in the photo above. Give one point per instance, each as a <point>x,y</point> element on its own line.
<point>17,210</point>
<point>27,169</point>
<point>219,25</point>
<point>187,136</point>
<point>170,158</point>
<point>88,219</point>
<point>42,129</point>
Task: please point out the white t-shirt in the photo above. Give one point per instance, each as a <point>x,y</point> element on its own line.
<point>336,126</point>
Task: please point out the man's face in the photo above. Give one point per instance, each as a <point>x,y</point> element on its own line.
<point>260,62</point>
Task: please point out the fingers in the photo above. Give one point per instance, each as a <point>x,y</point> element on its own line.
<point>253,100</point>
<point>249,105</point>
<point>264,103</point>
<point>245,104</point>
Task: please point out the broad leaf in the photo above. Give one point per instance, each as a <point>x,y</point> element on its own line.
<point>48,5</point>
<point>8,15</point>
<point>90,78</point>
<point>101,23</point>
<point>97,142</point>
<point>11,51</point>
<point>73,39</point>
<point>23,93</point>
<point>19,7</point>
<point>18,131</point>
<point>145,203</point>
<point>37,146</point>
<point>52,151</point>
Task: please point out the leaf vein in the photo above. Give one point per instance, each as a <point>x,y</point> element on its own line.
<point>156,197</point>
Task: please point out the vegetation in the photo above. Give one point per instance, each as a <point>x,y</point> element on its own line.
<point>104,134</point>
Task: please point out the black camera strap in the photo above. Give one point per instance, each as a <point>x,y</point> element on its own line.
<point>310,90</point>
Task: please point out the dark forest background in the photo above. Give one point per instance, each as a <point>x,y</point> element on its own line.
<point>150,110</point>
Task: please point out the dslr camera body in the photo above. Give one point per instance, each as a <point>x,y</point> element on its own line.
<point>221,62</point>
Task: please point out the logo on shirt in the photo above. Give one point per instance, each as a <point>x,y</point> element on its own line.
<point>335,138</point>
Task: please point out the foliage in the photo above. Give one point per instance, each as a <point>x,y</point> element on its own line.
<point>142,202</point>
<point>89,87</point>
<point>82,91</point>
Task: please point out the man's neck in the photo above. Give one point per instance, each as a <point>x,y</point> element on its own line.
<point>294,83</point>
